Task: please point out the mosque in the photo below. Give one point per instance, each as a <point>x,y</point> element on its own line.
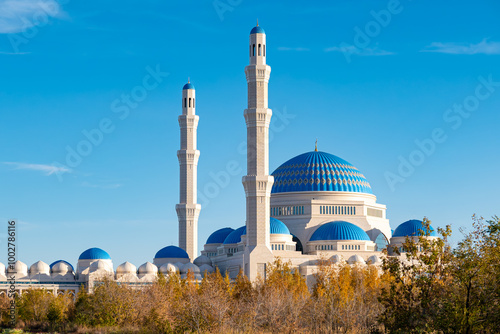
<point>314,206</point>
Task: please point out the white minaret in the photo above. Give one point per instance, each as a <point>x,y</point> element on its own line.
<point>257,182</point>
<point>187,209</point>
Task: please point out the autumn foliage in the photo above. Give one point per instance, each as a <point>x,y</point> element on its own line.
<point>431,288</point>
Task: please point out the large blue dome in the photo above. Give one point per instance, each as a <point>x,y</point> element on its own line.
<point>257,30</point>
<point>319,171</point>
<point>339,230</point>
<point>235,236</point>
<point>412,227</point>
<point>276,227</point>
<point>219,236</point>
<point>171,252</point>
<point>94,254</point>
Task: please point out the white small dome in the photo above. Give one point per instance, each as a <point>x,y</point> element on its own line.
<point>168,268</point>
<point>61,267</point>
<point>337,259</point>
<point>179,265</point>
<point>40,267</point>
<point>201,260</point>
<point>19,268</point>
<point>100,265</point>
<point>148,268</point>
<point>190,267</point>
<point>374,259</point>
<point>356,259</point>
<point>207,268</point>
<point>2,269</point>
<point>126,268</point>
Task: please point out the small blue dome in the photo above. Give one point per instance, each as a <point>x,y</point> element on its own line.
<point>339,230</point>
<point>318,171</point>
<point>219,236</point>
<point>66,262</point>
<point>278,227</point>
<point>94,254</point>
<point>257,30</point>
<point>188,86</point>
<point>171,252</point>
<point>235,236</point>
<point>412,228</point>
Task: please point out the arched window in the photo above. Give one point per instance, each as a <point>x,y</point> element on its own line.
<point>381,242</point>
<point>260,53</point>
<point>189,102</point>
<point>250,50</point>
<point>185,102</point>
<point>253,52</point>
<point>264,50</point>
<point>193,102</point>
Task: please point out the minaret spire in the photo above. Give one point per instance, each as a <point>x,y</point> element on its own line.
<point>316,146</point>
<point>188,210</point>
<point>257,182</point>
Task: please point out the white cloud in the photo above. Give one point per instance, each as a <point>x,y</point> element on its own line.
<point>285,48</point>
<point>351,49</point>
<point>19,15</point>
<point>483,47</point>
<point>47,169</point>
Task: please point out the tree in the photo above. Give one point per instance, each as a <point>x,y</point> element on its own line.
<point>60,310</point>
<point>418,278</point>
<point>280,298</point>
<point>345,298</point>
<point>33,305</point>
<point>110,304</point>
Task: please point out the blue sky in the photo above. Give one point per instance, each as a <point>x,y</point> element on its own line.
<point>408,92</point>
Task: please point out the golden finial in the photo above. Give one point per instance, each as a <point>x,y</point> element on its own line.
<point>257,22</point>
<point>316,146</point>
<point>188,80</point>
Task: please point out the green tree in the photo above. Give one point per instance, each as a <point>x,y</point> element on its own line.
<point>33,305</point>
<point>60,310</point>
<point>418,278</point>
<point>110,304</point>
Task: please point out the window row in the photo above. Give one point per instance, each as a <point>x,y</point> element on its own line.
<point>351,247</point>
<point>282,247</point>
<point>287,210</point>
<point>331,247</point>
<point>186,103</point>
<point>324,247</point>
<point>337,210</point>
<point>211,254</point>
<point>261,50</point>
<point>232,250</point>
